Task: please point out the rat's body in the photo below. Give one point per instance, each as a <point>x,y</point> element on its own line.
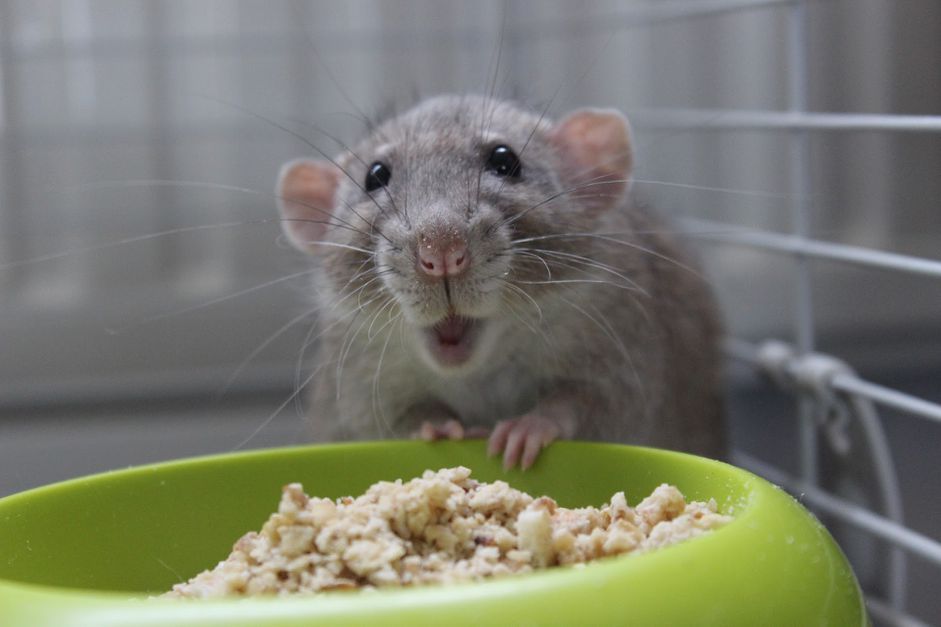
<point>509,283</point>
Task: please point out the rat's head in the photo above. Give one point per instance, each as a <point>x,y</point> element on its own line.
<point>424,217</point>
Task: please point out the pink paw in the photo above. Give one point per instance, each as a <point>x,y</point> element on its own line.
<point>451,429</point>
<point>448,430</point>
<point>521,439</point>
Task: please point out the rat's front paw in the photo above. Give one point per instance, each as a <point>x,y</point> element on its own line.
<point>522,438</point>
<point>450,429</point>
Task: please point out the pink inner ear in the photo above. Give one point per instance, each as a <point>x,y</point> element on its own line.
<point>595,147</point>
<point>306,191</point>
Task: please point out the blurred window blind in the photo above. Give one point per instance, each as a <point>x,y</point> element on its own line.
<point>101,99</point>
<point>125,128</point>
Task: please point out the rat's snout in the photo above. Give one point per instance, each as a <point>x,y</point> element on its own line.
<point>442,254</point>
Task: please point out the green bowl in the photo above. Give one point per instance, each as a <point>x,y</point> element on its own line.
<point>89,551</point>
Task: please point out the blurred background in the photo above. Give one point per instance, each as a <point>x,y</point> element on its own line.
<point>139,144</point>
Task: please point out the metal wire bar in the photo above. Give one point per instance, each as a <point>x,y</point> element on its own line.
<point>811,374</point>
<point>800,187</point>
<point>741,119</point>
<point>747,352</point>
<point>888,487</point>
<point>891,616</point>
<point>912,541</point>
<point>369,38</point>
<point>728,233</point>
<point>888,397</point>
<point>646,15</point>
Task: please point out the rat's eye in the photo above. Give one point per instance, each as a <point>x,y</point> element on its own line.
<point>504,162</point>
<point>378,176</point>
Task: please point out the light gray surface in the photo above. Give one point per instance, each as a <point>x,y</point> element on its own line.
<point>41,447</point>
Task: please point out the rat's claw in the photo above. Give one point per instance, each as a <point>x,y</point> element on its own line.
<point>450,430</point>
<point>534,443</point>
<point>498,438</point>
<point>522,439</point>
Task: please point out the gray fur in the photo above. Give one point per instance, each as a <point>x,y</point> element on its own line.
<point>636,347</point>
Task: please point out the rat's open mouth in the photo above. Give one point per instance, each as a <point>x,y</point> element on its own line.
<point>451,340</point>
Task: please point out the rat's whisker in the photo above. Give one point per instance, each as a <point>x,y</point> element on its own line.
<point>345,350</point>
<point>214,301</point>
<point>329,244</point>
<point>360,114</point>
<point>362,291</point>
<point>608,331</point>
<point>331,220</point>
<point>403,337</point>
<point>345,147</point>
<point>558,91</point>
<point>369,332</point>
<point>562,264</point>
<point>342,350</point>
<point>299,363</point>
<point>357,274</point>
<point>505,297</point>
<point>610,238</point>
<point>378,412</point>
<point>576,259</point>
<point>278,410</point>
<point>565,192</point>
<point>258,349</point>
<point>721,190</point>
<point>523,293</point>
<point>316,149</point>
<point>128,240</point>
<point>338,352</point>
<point>526,253</point>
<point>591,263</point>
<point>564,281</point>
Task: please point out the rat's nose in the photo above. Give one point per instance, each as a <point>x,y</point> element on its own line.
<point>440,257</point>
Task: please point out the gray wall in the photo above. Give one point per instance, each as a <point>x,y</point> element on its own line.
<point>126,306</point>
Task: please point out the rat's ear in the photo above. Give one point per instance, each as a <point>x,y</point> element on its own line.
<point>306,191</point>
<point>595,148</point>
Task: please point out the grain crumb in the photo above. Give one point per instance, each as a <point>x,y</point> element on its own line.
<point>439,528</point>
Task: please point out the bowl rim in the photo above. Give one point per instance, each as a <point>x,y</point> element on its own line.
<point>743,510</point>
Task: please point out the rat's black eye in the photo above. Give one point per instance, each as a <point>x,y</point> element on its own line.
<point>504,162</point>
<point>378,176</point>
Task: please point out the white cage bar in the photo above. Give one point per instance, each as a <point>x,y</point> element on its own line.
<point>795,124</point>
<point>798,123</point>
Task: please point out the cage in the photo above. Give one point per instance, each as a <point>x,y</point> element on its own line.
<point>147,303</point>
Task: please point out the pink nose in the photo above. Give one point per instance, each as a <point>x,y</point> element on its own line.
<point>440,258</point>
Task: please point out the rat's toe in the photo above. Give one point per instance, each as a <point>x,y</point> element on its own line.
<point>497,441</point>
<point>453,430</point>
<point>514,447</point>
<point>426,432</point>
<point>534,444</point>
<point>523,438</point>
<point>431,431</point>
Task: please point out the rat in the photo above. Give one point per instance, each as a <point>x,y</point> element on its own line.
<point>483,271</point>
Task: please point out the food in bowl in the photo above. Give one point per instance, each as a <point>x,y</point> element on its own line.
<point>441,527</point>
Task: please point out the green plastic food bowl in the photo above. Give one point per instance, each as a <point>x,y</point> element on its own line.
<point>90,551</point>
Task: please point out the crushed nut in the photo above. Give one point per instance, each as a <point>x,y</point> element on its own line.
<point>442,527</point>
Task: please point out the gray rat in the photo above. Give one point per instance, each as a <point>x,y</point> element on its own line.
<point>482,271</point>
